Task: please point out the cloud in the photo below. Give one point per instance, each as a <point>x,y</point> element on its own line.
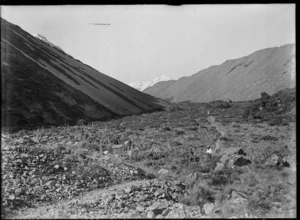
<point>99,24</point>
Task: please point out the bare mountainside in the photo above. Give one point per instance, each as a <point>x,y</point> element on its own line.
<point>42,85</point>
<point>269,70</point>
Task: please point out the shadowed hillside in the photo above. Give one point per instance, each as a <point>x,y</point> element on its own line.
<point>42,85</point>
<point>269,70</point>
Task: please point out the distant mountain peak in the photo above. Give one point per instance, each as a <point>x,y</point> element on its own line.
<point>144,85</point>
<point>44,39</point>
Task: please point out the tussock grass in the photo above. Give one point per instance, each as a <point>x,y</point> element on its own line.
<point>174,146</point>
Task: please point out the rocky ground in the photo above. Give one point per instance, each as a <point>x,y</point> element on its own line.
<point>156,165</point>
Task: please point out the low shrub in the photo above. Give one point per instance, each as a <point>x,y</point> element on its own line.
<point>199,195</point>
<point>179,132</point>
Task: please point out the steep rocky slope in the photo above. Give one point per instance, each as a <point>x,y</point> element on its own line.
<point>269,70</point>
<point>42,85</point>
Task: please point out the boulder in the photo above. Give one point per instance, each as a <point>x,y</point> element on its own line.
<point>150,214</point>
<point>128,143</point>
<point>230,164</point>
<point>241,152</point>
<point>241,161</point>
<point>158,211</point>
<point>117,146</point>
<point>157,206</point>
<point>128,190</point>
<point>219,167</point>
<point>163,171</point>
<point>273,160</point>
<point>19,191</point>
<point>140,208</point>
<point>239,200</point>
<point>208,208</point>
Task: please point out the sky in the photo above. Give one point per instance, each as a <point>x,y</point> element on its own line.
<point>142,42</point>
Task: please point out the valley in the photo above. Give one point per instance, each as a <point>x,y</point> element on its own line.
<point>77,143</point>
<point>78,172</point>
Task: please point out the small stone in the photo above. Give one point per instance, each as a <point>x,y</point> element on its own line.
<point>128,190</point>
<point>156,193</point>
<point>50,184</point>
<point>140,208</point>
<point>105,152</point>
<point>11,197</point>
<point>20,140</point>
<point>239,200</point>
<point>159,216</point>
<point>56,166</point>
<point>35,139</point>
<point>128,143</point>
<point>19,191</point>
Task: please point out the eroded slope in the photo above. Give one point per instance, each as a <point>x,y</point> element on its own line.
<point>269,70</point>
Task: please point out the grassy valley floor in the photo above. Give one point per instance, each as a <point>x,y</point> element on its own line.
<point>156,165</point>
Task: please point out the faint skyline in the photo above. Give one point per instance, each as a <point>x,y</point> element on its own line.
<point>147,41</point>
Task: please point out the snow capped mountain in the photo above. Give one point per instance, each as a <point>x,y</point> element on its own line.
<point>44,39</point>
<point>139,85</point>
<point>143,85</point>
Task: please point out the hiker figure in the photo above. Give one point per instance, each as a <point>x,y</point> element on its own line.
<point>208,152</point>
<point>192,157</point>
<point>208,112</point>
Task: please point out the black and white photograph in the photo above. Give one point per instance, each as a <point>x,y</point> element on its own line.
<point>148,111</point>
